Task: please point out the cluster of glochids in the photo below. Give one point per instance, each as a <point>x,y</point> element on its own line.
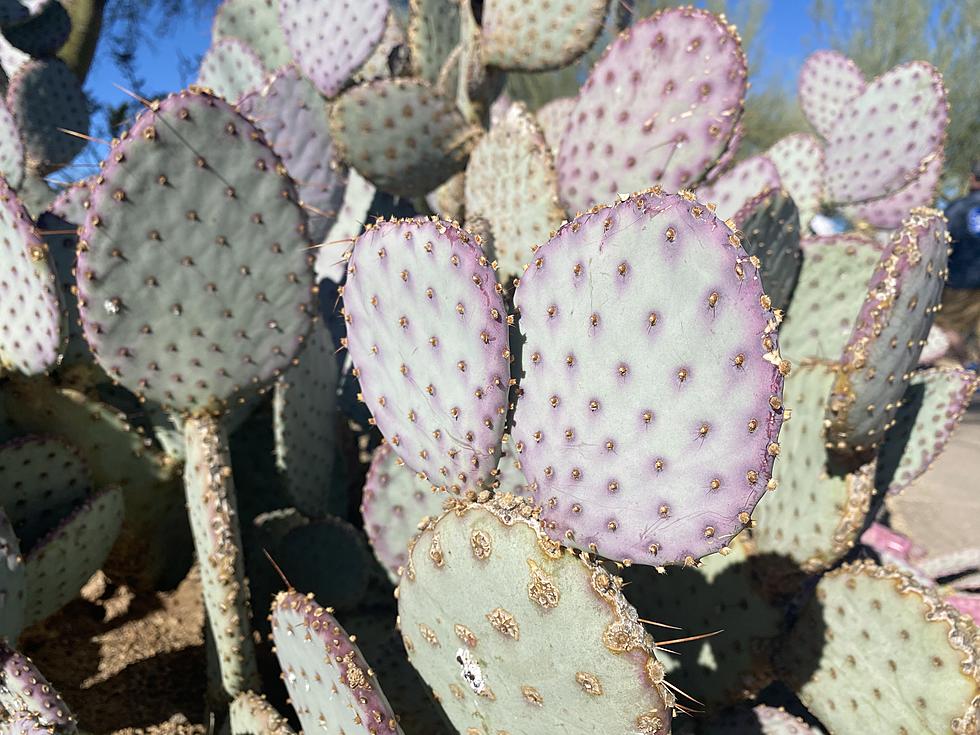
<point>579,403</point>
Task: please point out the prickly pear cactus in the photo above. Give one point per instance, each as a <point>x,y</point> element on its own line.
<point>889,333</point>
<point>889,212</point>
<point>251,714</point>
<point>553,117</point>
<point>43,33</point>
<point>231,69</point>
<point>799,161</point>
<point>330,685</point>
<point>635,124</point>
<point>828,81</point>
<point>256,23</point>
<point>874,646</point>
<point>499,655</point>
<point>433,33</point>
<point>11,148</point>
<point>11,581</point>
<point>24,689</point>
<point>738,186</point>
<point>692,386</point>
<point>423,287</point>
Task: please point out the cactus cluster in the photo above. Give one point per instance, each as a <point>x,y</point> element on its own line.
<point>614,420</point>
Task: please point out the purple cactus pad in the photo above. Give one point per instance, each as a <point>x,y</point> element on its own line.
<point>828,80</point>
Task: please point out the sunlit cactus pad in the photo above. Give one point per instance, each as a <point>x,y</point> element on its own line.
<point>194,280</point>
<point>659,107</point>
<point>874,646</point>
<point>231,69</point>
<point>330,685</point>
<point>424,288</point>
<point>817,511</point>
<point>32,327</point>
<point>433,33</point>
<point>647,424</point>
<point>546,639</point>
<point>251,713</point>
<point>256,23</point>
<point>739,185</point>
<point>799,159</point>
<point>828,80</point>
<point>889,332</point>
<point>394,503</point>
<point>25,690</point>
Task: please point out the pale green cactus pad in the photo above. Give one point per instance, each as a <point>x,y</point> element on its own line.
<point>41,480</point>
<point>725,593</point>
<point>389,57</point>
<point>448,200</point>
<point>934,402</point>
<point>58,565</point>
<point>521,36</point>
<point>255,22</point>
<point>799,160</point>
<point>353,215</point>
<point>231,69</point>
<point>401,135</point>
<point>818,509</point>
<point>11,148</point>
<point>832,286</point>
<point>305,423</point>
<point>889,333</point>
<point>433,33</point>
<point>553,117</point>
<point>12,584</point>
<point>873,646</point>
<point>511,182</point>
<point>545,642</point>
<point>251,714</point>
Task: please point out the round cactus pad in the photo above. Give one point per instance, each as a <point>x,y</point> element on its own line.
<point>553,118</point>
<point>11,148</point>
<point>12,582</point>
<point>828,296</point>
<point>251,713</point>
<point>512,184</point>
<point>331,40</point>
<point>43,33</point>
<point>293,117</point>
<point>256,23</point>
<point>194,278</point>
<point>32,324</point>
<point>890,332</point>
<point>401,135</point>
<point>739,185</point>
<point>394,503</point>
<point>23,688</point>
<point>46,98</point>
<point>42,480</point>
<point>660,106</point>
<point>523,36</point>
<point>330,685</point>
<point>874,646</point>
<point>818,509</point>
<point>544,640</point>
<point>880,144</point>
<point>828,81</point>
<point>231,69</point>
<point>799,161</point>
<point>433,34</point>
<point>723,594</point>
<point>427,330</point>
<point>934,402</point>
<point>889,212</point>
<point>771,226</point>
<point>647,424</point>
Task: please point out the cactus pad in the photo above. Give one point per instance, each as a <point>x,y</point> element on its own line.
<point>522,36</point>
<point>771,225</point>
<point>41,480</point>
<point>12,584</point>
<point>46,97</point>
<point>553,118</point>
<point>23,688</point>
<point>874,646</point>
<point>401,135</point>
<point>739,185</point>
<point>934,402</point>
<point>818,509</point>
<point>724,592</point>
<point>358,196</point>
<point>330,685</point>
<point>420,287</point>
<point>189,310</point>
<point>691,386</point>
<point>878,145</point>
<point>43,33</point>
<point>433,33</point>
<point>544,634</point>
<point>799,160</point>
<point>828,81</point>
<point>293,116</point>
<point>305,420</point>
<point>31,320</point>
<point>394,503</point>
<point>59,564</point>
<point>511,183</point>
<point>231,69</point>
<point>889,212</point>
<point>256,23</point>
<point>250,713</point>
<point>330,41</point>
<point>11,148</point>
<point>832,286</point>
<point>660,106</point>
<point>889,333</point>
